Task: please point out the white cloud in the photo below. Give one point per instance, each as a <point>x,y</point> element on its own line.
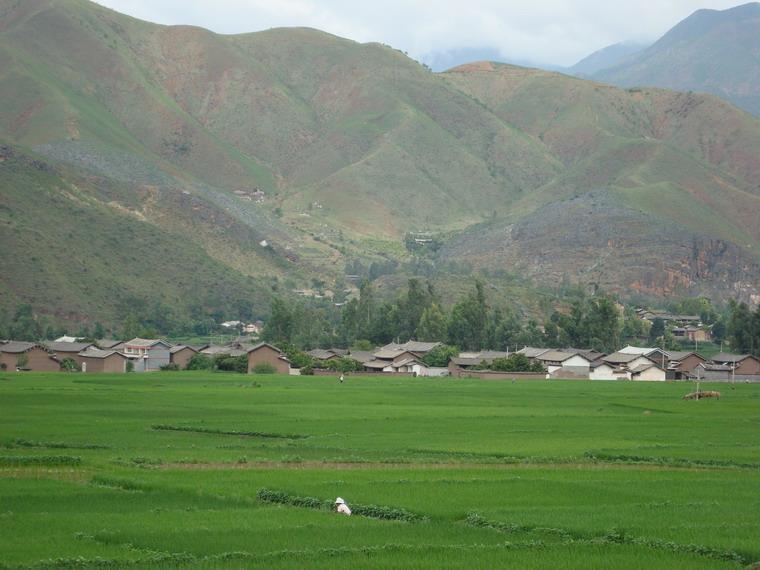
<point>543,31</point>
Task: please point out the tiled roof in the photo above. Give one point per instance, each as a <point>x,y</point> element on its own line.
<point>93,352</point>
<point>67,346</point>
<point>17,347</point>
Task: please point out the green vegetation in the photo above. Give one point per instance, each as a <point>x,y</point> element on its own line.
<point>202,470</point>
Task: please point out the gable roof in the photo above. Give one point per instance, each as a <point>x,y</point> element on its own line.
<point>557,356</point>
<point>728,357</point>
<point>17,347</point>
<point>637,350</point>
<point>93,352</point>
<point>254,347</point>
<point>180,347</point>
<point>64,346</point>
<point>532,352</point>
<point>107,342</point>
<point>642,367</point>
<point>145,342</point>
<point>361,355</point>
<point>621,357</point>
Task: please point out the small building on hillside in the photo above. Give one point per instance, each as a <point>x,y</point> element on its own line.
<point>96,360</point>
<point>692,334</point>
<point>265,353</point>
<point>32,356</point>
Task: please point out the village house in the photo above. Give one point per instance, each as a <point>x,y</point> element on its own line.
<point>647,372</point>
<point>96,360</point>
<point>469,360</point>
<point>32,356</point>
<point>146,354</point>
<point>636,366</point>
<point>601,370</point>
<point>265,353</point>
<point>726,366</point>
<point>682,365</point>
<point>692,334</point>
<point>68,349</point>
<point>181,354</point>
<point>402,358</point>
<point>558,362</point>
<point>326,354</point>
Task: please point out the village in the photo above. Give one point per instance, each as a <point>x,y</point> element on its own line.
<point>396,359</point>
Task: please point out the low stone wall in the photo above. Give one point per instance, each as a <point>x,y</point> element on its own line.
<point>493,375</point>
<point>318,372</point>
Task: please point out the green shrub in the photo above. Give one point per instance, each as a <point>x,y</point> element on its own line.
<point>200,362</point>
<point>130,366</point>
<point>171,367</point>
<point>307,370</point>
<point>264,368</point>
<point>229,363</point>
<point>69,365</point>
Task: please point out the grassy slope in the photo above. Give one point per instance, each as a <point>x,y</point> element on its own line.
<point>448,450</point>
<point>66,245</point>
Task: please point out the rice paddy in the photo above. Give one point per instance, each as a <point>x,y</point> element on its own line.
<point>199,470</point>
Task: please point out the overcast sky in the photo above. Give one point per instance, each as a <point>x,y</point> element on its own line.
<point>557,32</point>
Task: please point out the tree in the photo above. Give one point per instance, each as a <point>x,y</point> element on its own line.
<point>130,328</point>
<point>279,327</point>
<point>468,320</point>
<point>656,331</point>
<point>432,325</point>
<point>740,328</point>
<point>440,356</point>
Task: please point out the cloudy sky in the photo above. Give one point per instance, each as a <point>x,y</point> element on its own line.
<point>557,32</point>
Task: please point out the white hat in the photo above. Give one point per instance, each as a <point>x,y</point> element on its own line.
<point>340,501</point>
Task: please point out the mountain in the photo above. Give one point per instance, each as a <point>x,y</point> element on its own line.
<point>445,60</point>
<point>711,51</point>
<point>209,170</point>
<point>605,58</point>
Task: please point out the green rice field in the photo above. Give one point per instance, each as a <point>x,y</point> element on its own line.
<point>208,470</point>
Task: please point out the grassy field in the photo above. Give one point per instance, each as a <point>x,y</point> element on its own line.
<point>204,470</point>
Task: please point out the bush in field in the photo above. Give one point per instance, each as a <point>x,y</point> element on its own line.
<point>200,362</point>
<point>307,370</point>
<point>130,366</point>
<point>171,367</point>
<point>229,363</point>
<point>264,368</point>
<point>69,365</point>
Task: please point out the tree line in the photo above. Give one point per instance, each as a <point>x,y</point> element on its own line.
<point>472,323</point>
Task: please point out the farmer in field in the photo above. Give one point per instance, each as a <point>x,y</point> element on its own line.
<point>341,507</point>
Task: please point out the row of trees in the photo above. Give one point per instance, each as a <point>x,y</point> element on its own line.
<point>471,324</point>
